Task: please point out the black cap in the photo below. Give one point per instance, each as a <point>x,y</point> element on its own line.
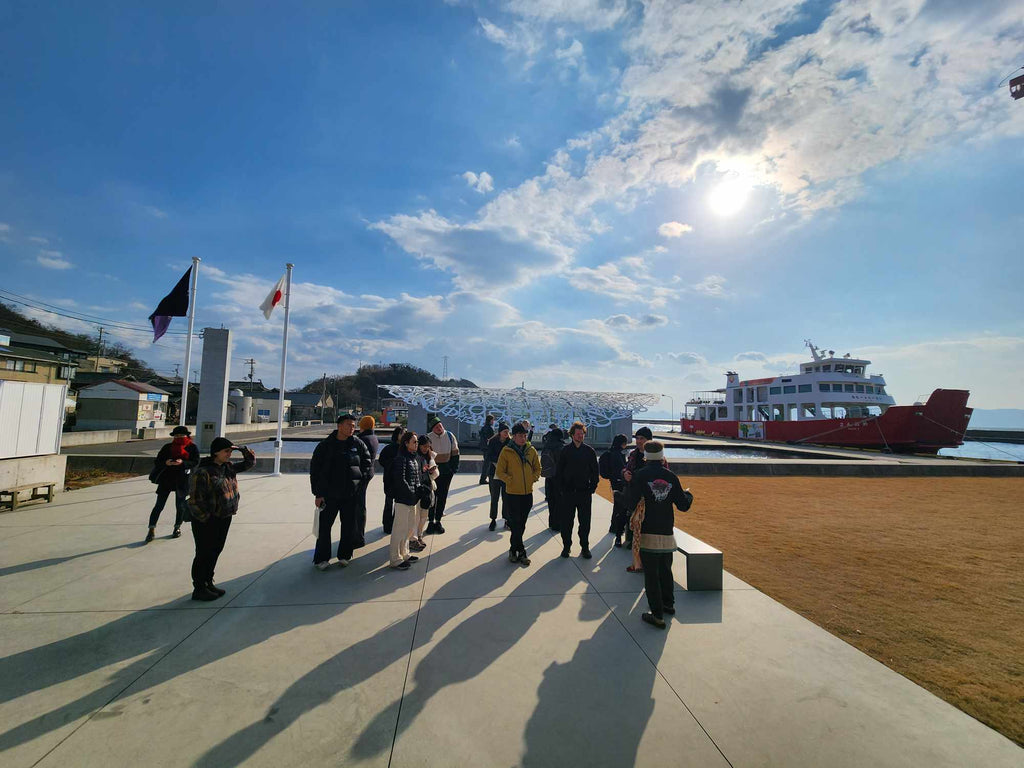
<point>180,430</point>
<point>219,444</point>
<point>519,429</point>
<point>346,417</point>
<point>503,425</point>
<point>644,432</point>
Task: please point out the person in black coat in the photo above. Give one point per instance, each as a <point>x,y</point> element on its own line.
<point>387,454</point>
<point>177,459</point>
<point>497,488</point>
<point>365,433</point>
<point>611,464</point>
<point>551,449</point>
<point>660,490</point>
<point>405,479</point>
<point>577,477</point>
<point>486,433</point>
<point>341,463</point>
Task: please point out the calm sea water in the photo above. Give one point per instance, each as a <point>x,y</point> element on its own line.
<point>977,450</point>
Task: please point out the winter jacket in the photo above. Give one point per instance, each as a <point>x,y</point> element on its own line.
<point>386,456</point>
<point>175,478</point>
<point>660,489</point>
<point>494,446</point>
<point>428,467</point>
<point>213,489</point>
<point>486,433</point>
<point>551,449</point>
<point>518,471</point>
<point>338,467</point>
<point>405,477</point>
<point>577,468</point>
<point>372,443</point>
<point>610,465</point>
<point>447,448</point>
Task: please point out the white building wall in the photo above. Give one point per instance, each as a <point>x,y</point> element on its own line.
<point>31,417</point>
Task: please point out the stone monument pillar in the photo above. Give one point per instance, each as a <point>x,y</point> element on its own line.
<point>211,415</point>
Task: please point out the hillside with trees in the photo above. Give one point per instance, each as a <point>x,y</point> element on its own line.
<point>360,388</point>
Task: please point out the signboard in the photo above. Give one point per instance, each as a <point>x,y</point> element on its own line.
<point>152,396</point>
<point>752,430</point>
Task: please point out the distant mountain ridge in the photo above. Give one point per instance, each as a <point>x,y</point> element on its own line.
<point>997,418</point>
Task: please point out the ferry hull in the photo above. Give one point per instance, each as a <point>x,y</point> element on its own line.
<point>939,423</point>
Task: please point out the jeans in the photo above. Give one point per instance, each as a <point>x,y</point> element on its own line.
<point>389,512</point>
<point>554,496</point>
<point>658,581</point>
<point>161,499</point>
<point>497,491</point>
<point>575,503</point>
<point>444,482</point>
<point>517,509</point>
<point>347,510</point>
<point>209,537</point>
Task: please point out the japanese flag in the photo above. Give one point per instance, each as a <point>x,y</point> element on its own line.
<point>273,298</point>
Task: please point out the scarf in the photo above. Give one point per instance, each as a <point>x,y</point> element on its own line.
<point>520,452</point>
<point>179,447</point>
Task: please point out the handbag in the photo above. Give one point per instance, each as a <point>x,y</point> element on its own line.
<point>156,473</point>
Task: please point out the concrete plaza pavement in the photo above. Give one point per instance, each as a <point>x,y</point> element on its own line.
<point>465,659</point>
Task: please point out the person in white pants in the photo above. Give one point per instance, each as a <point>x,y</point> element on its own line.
<point>429,470</point>
<point>404,480</point>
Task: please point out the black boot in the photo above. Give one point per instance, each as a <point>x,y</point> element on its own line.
<point>204,593</point>
<point>215,589</point>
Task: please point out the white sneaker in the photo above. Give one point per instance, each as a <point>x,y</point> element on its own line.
<point>342,563</point>
<point>322,566</point>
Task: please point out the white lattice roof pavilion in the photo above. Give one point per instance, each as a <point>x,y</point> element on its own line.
<point>472,404</point>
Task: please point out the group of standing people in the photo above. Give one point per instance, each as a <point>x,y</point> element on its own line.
<point>417,475</point>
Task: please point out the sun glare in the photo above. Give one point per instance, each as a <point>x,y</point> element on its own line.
<point>729,197</point>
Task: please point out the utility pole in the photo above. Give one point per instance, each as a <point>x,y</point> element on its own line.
<point>99,350</point>
<point>444,370</point>
<point>176,367</point>
<point>323,399</point>
<point>195,375</point>
<point>252,371</point>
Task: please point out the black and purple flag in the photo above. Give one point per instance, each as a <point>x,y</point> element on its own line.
<point>174,304</point>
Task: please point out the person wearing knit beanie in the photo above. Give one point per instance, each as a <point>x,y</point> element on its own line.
<point>367,422</point>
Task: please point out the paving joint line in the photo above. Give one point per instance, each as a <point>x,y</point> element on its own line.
<point>657,669</point>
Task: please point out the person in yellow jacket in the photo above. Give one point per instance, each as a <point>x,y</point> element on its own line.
<point>518,468</point>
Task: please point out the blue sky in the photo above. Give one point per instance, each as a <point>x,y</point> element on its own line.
<point>586,194</point>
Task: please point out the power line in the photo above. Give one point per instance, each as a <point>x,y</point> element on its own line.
<point>83,317</point>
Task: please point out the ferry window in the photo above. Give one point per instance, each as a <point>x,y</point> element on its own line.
<point>762,394</point>
<point>858,370</point>
<point>823,387</point>
<point>775,390</point>
<point>817,369</point>
<point>737,396</point>
<point>805,388</point>
<point>860,387</point>
<point>848,387</point>
<point>879,390</point>
<point>788,390</point>
<point>826,368</point>
<point>869,390</point>
<point>750,395</point>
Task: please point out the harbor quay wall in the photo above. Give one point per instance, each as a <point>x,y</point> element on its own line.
<point>141,465</point>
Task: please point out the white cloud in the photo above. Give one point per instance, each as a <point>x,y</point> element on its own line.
<point>757,356</point>
<point>483,183</point>
<point>625,281</point>
<point>674,229</point>
<point>155,212</point>
<point>571,55</point>
<point>687,358</point>
<point>53,260</point>
<point>513,142</point>
<point>629,323</point>
<point>5,227</point>
<point>712,285</point>
<point>589,14</point>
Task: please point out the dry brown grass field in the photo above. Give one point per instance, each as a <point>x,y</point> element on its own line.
<point>925,575</point>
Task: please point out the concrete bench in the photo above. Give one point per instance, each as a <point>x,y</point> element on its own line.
<point>34,495</point>
<point>703,562</point>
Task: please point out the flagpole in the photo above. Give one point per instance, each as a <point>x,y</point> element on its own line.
<point>284,369</point>
<point>188,340</point>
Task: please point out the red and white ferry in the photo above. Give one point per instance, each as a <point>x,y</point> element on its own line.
<point>831,401</point>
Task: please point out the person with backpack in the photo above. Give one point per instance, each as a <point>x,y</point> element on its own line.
<point>653,490</point>
<point>387,454</point>
<point>497,488</point>
<point>551,449</point>
<point>212,501</point>
<point>446,447</point>
<point>486,433</point>
<point>610,465</point>
<point>365,433</point>
<point>341,463</point>
<point>171,469</point>
<point>518,468</point>
<point>577,478</point>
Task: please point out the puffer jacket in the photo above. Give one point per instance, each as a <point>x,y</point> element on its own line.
<point>518,473</point>
<point>338,467</point>
<point>213,488</point>
<point>494,446</point>
<point>405,477</point>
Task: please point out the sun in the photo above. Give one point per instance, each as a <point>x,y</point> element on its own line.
<point>729,197</point>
